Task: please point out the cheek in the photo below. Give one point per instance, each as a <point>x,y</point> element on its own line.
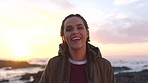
<point>85,34</point>
<point>66,37</point>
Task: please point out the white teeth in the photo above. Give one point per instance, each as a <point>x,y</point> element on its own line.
<point>76,38</point>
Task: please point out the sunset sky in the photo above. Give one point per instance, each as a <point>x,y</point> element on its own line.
<point>31,28</point>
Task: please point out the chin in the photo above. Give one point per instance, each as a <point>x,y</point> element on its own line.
<point>77,47</point>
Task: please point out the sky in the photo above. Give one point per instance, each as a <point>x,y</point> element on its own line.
<point>31,28</point>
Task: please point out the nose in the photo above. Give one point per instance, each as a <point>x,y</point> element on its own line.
<point>75,32</point>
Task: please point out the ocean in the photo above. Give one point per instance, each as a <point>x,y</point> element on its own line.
<point>136,63</point>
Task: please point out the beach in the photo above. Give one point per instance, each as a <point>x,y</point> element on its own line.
<point>126,70</point>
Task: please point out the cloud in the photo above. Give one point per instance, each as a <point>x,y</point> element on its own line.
<point>64,4</point>
<point>142,4</point>
<point>121,29</point>
<point>124,2</point>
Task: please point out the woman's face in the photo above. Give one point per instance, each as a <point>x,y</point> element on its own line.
<point>75,33</point>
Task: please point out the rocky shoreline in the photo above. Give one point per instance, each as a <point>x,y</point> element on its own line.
<point>128,77</point>
<point>122,77</point>
<point>16,64</point>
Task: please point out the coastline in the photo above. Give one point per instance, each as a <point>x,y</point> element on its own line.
<point>124,77</point>
<point>123,74</point>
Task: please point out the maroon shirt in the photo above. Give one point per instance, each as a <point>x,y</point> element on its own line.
<point>77,73</point>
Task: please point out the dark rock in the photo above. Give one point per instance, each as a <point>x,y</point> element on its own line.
<point>118,69</point>
<point>145,70</point>
<point>124,77</point>
<point>128,77</point>
<point>133,77</point>
<point>4,81</point>
<point>26,77</point>
<point>145,66</point>
<point>35,76</point>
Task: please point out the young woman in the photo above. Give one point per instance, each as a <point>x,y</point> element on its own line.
<point>77,60</point>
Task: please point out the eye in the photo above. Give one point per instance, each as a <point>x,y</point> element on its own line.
<point>68,28</point>
<point>80,28</point>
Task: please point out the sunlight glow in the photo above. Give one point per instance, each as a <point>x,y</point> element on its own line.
<point>31,28</point>
<point>20,49</point>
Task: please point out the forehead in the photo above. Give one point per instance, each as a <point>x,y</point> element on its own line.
<point>73,21</point>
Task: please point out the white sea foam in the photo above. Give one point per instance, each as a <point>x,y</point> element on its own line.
<point>14,74</point>
<point>43,61</point>
<point>136,63</point>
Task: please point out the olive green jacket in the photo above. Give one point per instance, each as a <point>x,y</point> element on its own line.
<point>98,69</point>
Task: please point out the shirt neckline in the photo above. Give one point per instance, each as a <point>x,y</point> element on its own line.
<point>77,62</point>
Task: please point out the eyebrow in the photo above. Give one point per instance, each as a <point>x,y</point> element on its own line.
<point>76,25</point>
<point>79,25</point>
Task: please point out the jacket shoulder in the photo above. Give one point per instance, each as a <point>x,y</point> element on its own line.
<point>54,60</point>
<point>50,69</point>
<point>104,62</point>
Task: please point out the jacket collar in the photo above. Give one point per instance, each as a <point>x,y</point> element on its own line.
<point>92,52</point>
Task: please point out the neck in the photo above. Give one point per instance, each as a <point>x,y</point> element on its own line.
<point>78,54</point>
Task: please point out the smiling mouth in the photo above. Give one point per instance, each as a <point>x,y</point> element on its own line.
<point>76,38</point>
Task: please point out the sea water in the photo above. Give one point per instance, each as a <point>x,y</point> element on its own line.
<point>15,74</point>
<point>136,63</point>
